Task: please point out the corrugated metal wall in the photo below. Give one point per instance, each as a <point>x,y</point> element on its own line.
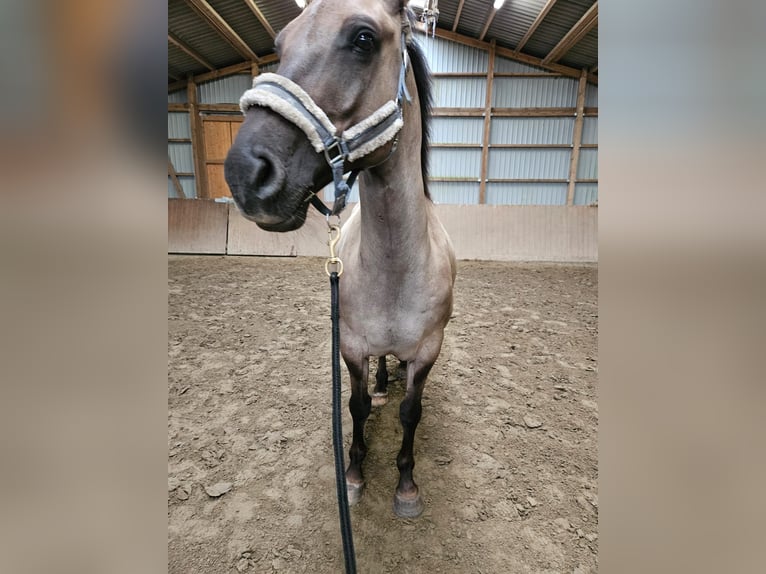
<point>224,91</point>
<point>506,66</point>
<point>457,130</point>
<point>187,184</point>
<point>460,92</point>
<point>181,156</point>
<point>591,96</point>
<point>446,56</point>
<point>531,131</point>
<point>587,168</point>
<point>455,172</point>
<point>180,153</point>
<point>529,163</point>
<point>178,97</point>
<point>178,125</point>
<point>455,163</point>
<point>590,130</point>
<point>586,193</point>
<point>458,192</point>
<point>534,93</point>
<point>526,193</point>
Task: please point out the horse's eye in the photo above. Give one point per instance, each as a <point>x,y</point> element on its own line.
<point>364,41</point>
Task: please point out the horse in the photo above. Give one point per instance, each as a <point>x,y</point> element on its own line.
<point>354,69</point>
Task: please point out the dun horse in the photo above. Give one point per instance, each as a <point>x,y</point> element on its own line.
<point>353,93</point>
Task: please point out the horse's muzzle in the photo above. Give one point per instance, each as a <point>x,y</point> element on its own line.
<point>256,180</point>
<point>255,174</point>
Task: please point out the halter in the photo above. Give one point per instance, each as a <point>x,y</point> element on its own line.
<point>290,101</point>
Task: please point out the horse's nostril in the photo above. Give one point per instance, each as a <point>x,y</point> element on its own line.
<point>265,179</point>
<point>256,172</point>
<point>263,173</point>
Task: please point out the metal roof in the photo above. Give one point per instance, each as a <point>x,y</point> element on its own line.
<point>206,35</point>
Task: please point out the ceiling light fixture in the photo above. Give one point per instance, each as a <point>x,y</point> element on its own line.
<point>497,5</point>
<point>301,4</point>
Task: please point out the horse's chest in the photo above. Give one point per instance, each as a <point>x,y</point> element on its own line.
<point>390,320</point>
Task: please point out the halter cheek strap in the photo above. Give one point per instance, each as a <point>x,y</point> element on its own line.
<point>289,100</point>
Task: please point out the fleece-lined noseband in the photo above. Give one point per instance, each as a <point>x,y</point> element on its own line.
<point>290,101</point>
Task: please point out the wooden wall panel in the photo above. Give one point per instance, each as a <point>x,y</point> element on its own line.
<point>216,183</point>
<point>219,135</point>
<point>234,126</point>
<point>217,140</point>
<point>522,232</point>
<point>197,226</point>
<point>246,238</point>
<point>489,232</point>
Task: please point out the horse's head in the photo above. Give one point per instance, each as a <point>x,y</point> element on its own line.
<point>347,58</point>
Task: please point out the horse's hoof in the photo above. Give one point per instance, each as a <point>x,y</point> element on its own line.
<point>379,399</point>
<point>408,506</point>
<point>354,492</point>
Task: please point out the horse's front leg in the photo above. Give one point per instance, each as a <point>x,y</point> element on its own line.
<point>408,501</point>
<point>359,405</point>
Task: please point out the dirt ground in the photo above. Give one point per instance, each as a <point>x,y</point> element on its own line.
<point>506,450</point>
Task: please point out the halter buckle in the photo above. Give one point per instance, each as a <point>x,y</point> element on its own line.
<point>334,157</point>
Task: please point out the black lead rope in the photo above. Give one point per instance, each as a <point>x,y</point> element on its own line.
<point>337,435</point>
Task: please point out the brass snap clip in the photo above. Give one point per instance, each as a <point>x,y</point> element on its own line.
<point>333,263</point>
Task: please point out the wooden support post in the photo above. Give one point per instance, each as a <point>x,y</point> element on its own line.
<point>198,144</point>
<point>577,136</point>
<point>487,125</point>
<point>174,178</point>
<point>254,69</point>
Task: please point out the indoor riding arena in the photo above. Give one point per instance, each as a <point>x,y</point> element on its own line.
<point>506,450</point>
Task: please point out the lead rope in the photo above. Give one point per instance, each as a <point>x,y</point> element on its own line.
<point>334,269</point>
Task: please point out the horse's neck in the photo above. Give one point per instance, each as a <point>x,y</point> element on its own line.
<point>394,211</point>
<point>394,207</point>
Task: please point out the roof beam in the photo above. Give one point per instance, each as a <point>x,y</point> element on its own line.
<point>457,15</point>
<point>240,68</point>
<point>220,25</point>
<point>487,23</point>
<point>540,17</point>
<point>176,41</point>
<point>261,18</point>
<point>575,34</point>
<point>507,53</point>
<point>214,75</point>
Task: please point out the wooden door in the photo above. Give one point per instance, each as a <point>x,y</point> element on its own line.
<point>219,134</point>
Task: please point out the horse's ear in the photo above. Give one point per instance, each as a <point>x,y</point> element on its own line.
<point>397,5</point>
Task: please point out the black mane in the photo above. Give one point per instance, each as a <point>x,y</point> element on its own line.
<point>425,93</point>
